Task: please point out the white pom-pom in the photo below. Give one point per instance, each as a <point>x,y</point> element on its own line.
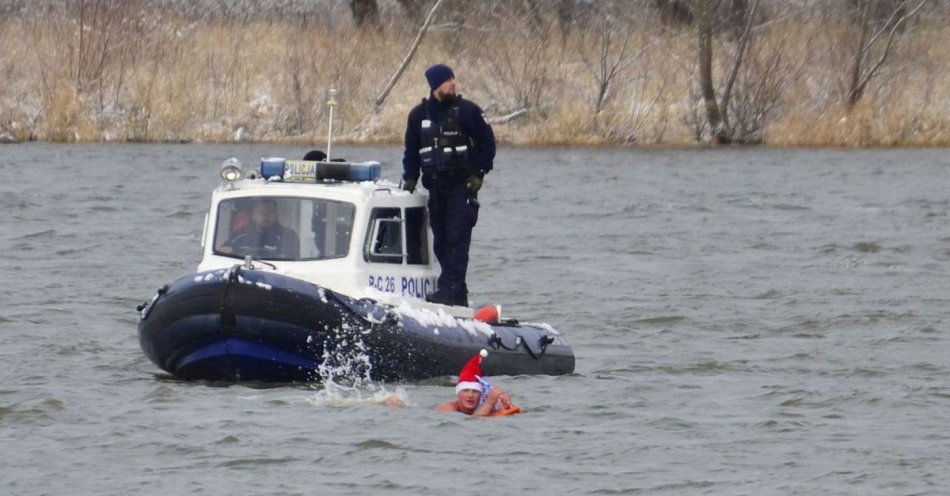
<point>483,353</point>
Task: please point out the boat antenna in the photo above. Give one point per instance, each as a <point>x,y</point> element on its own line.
<point>332,103</point>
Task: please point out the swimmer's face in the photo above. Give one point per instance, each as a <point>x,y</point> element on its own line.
<point>264,215</point>
<point>468,399</point>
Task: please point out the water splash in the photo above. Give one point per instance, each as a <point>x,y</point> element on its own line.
<point>376,395</point>
<point>345,373</point>
<point>345,363</point>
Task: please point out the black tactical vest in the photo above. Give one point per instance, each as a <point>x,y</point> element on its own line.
<point>444,147</point>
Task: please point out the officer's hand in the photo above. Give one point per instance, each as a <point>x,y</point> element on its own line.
<point>409,185</point>
<point>474,183</point>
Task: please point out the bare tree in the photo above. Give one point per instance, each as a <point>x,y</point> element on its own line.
<point>733,17</point>
<point>365,13</point>
<point>717,107</point>
<point>881,10</point>
<point>674,12</point>
<point>612,54</point>
<point>877,43</point>
<point>565,13</point>
<point>304,108</point>
<point>759,90</point>
<point>371,121</point>
<point>521,67</point>
<point>411,8</point>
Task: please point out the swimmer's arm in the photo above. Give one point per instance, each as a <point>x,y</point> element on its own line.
<point>494,396</point>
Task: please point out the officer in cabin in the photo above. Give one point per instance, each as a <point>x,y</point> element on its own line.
<point>448,141</point>
<point>264,237</point>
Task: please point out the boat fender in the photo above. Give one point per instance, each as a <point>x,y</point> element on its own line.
<point>490,314</point>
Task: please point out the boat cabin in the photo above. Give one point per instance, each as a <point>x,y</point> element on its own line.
<point>333,224</point>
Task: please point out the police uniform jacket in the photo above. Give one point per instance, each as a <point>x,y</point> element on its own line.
<point>450,139</point>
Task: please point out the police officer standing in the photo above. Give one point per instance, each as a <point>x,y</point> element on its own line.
<point>449,141</point>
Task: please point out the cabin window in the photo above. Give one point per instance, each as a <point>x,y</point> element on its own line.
<point>281,228</point>
<point>384,237</point>
<point>417,236</point>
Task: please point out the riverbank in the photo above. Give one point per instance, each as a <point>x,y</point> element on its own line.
<point>126,75</point>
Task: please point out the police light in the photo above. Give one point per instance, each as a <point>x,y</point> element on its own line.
<point>272,169</point>
<point>309,171</point>
<point>231,170</point>
<point>364,171</point>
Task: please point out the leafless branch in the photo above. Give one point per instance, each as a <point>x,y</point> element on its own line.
<point>858,89</point>
<point>503,119</point>
<point>740,53</point>
<point>381,99</point>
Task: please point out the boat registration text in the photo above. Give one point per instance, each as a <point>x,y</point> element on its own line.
<point>416,287</point>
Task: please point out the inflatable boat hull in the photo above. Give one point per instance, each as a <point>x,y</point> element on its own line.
<point>249,325</point>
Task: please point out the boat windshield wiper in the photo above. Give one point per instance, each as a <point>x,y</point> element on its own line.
<point>249,263</point>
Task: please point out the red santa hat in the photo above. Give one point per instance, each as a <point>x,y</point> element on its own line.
<point>471,372</point>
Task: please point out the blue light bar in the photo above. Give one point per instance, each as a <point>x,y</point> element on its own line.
<point>272,167</point>
<point>308,171</point>
<point>364,171</point>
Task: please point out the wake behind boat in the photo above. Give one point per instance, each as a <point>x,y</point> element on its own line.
<point>315,264</point>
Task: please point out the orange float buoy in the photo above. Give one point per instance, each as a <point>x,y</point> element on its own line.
<point>507,411</point>
<point>491,313</point>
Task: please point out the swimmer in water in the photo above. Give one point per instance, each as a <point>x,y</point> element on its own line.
<point>475,396</point>
<point>392,400</point>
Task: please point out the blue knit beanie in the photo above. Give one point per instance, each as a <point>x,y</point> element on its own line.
<point>438,74</point>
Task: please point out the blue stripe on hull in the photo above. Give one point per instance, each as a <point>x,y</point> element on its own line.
<point>240,359</point>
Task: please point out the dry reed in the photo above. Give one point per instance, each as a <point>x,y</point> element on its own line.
<point>128,74</point>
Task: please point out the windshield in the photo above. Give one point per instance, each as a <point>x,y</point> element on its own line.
<point>278,228</point>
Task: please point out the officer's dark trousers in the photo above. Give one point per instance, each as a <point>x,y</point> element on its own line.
<point>453,212</point>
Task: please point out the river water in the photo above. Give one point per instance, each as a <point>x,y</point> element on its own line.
<point>746,322</point>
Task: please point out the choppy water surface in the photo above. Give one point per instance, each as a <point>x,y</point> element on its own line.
<point>745,322</point>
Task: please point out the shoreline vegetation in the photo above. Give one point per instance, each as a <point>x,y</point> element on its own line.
<point>654,73</point>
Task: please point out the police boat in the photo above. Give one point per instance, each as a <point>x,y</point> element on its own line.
<point>314,264</point>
